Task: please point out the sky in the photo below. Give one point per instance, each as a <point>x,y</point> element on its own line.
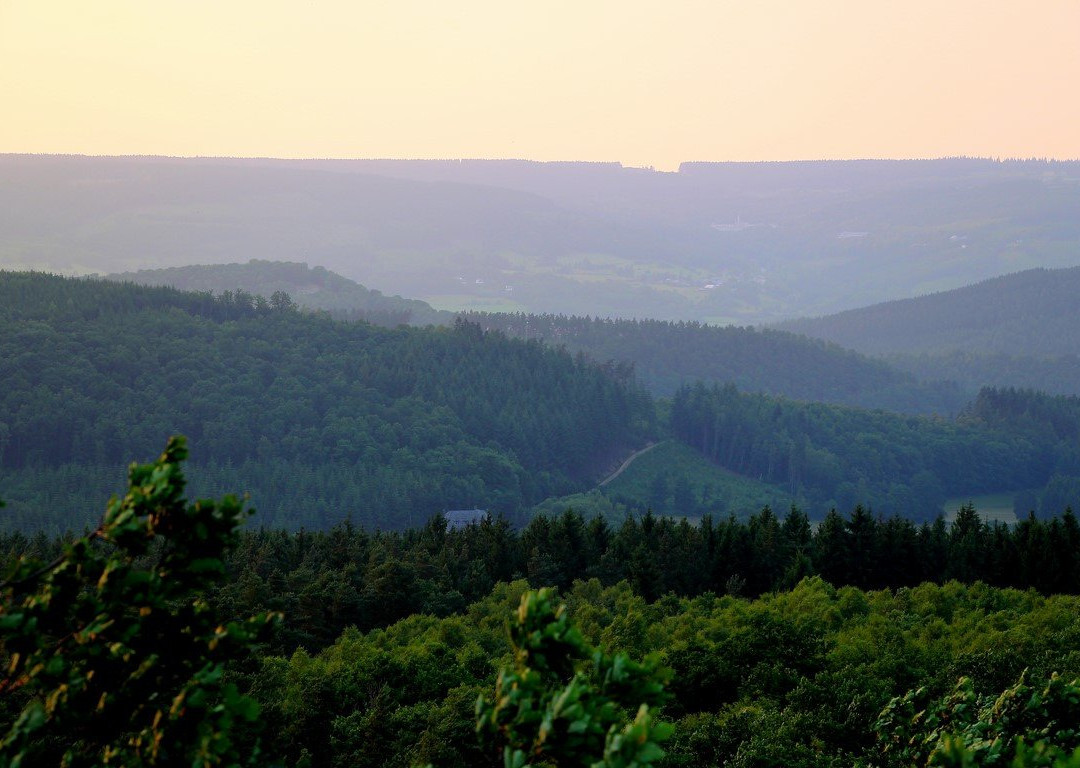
<point>641,82</point>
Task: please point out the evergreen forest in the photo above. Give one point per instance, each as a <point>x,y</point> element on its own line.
<point>323,421</point>
<point>286,585</point>
<point>883,665</point>
<point>319,420</point>
<point>665,354</point>
<point>668,355</point>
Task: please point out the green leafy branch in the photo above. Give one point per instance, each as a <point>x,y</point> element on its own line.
<point>1023,727</point>
<point>565,703</point>
<point>115,651</point>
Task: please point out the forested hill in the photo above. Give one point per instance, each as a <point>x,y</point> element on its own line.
<point>320,420</point>
<point>1023,444</point>
<point>1051,422</point>
<point>1030,313</point>
<point>311,287</point>
<point>1029,412</point>
<point>666,355</point>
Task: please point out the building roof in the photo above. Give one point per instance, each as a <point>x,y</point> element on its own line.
<point>459,518</point>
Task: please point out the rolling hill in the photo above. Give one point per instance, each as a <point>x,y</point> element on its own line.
<point>1019,330</point>
<point>321,421</point>
<point>1035,313</point>
<point>664,354</point>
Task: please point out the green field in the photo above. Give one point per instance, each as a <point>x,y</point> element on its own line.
<point>992,507</point>
<point>461,302</point>
<point>715,490</point>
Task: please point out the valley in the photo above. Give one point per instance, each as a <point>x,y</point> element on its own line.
<point>539,385</point>
<point>566,238</point>
<point>750,504</point>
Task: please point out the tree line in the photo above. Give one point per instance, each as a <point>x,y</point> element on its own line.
<point>666,355</point>
<point>797,678</point>
<point>348,576</point>
<point>836,457</point>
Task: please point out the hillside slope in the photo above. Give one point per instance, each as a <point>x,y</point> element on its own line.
<point>1020,330</point>
<point>1035,312</point>
<point>320,420</point>
<point>839,457</point>
<point>666,355</point>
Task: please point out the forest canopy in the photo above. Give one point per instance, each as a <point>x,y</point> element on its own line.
<point>319,420</point>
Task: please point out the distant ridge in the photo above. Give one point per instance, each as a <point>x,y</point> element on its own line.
<point>596,239</point>
<point>1031,313</point>
<point>311,287</point>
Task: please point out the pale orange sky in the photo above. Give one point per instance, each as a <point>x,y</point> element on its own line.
<point>642,82</point>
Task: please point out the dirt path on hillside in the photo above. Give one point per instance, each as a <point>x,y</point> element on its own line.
<point>626,464</point>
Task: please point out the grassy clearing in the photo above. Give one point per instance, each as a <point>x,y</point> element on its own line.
<point>721,320</point>
<point>992,507</point>
<point>461,302</point>
<point>713,489</point>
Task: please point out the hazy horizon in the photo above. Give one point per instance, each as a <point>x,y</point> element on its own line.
<point>555,161</point>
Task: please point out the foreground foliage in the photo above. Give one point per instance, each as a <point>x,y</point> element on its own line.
<point>551,711</point>
<point>794,678</point>
<point>113,652</point>
<point>116,654</point>
<point>1024,725</point>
